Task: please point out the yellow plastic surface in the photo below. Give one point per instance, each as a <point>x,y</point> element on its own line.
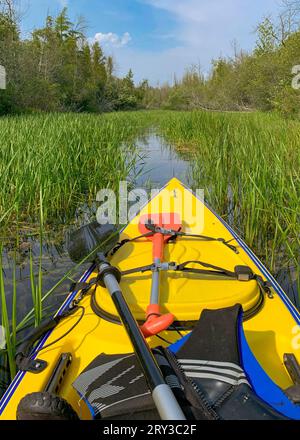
<point>269,333</point>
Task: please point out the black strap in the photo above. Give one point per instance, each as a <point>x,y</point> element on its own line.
<point>23,355</point>
<point>157,229</point>
<point>128,240</point>
<point>76,287</point>
<point>141,269</point>
<point>264,285</point>
<point>173,235</point>
<point>205,238</point>
<point>240,273</point>
<point>219,271</point>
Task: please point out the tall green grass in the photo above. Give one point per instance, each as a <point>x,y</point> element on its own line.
<point>7,326</point>
<point>50,165</point>
<point>68,156</point>
<point>249,166</point>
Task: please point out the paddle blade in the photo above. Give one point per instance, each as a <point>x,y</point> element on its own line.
<point>88,239</point>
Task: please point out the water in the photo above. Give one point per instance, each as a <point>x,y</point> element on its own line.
<point>157,163</point>
<point>55,263</point>
<point>160,163</point>
<point>287,278</point>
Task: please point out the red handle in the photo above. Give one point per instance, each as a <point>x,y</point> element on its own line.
<point>156,323</point>
<point>158,246</point>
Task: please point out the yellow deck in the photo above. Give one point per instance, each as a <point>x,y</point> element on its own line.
<point>269,333</point>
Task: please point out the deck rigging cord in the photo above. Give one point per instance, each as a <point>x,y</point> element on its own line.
<point>248,314</point>
<point>241,273</point>
<point>26,350</point>
<point>173,235</point>
<point>66,333</point>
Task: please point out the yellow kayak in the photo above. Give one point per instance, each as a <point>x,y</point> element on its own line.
<point>267,336</point>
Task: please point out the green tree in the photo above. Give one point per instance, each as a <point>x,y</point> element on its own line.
<point>127,99</point>
<point>266,41</point>
<point>9,58</point>
<point>63,26</point>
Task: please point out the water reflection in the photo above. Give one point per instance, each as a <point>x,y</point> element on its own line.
<point>159,163</point>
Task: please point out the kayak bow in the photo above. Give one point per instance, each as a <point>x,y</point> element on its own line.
<point>203,268</point>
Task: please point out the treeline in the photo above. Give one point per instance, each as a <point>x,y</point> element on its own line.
<point>247,81</point>
<point>58,69</point>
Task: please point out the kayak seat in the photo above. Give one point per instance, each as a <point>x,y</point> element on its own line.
<point>263,386</point>
<point>211,359</point>
<point>203,369</point>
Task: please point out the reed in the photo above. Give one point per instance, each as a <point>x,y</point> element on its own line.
<point>249,166</point>
<point>10,347</point>
<point>68,157</point>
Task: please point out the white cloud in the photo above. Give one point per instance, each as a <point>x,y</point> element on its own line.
<point>192,10</point>
<point>112,40</point>
<point>204,30</point>
<point>205,20</point>
<point>63,3</point>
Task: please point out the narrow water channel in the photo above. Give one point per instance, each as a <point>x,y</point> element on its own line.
<point>157,163</point>
<point>160,163</point>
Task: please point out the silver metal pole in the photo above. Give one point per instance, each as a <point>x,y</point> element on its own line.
<point>154,298</point>
<point>164,399</point>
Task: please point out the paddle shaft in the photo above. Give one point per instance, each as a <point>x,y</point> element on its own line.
<point>158,254</point>
<point>154,299</point>
<point>164,399</point>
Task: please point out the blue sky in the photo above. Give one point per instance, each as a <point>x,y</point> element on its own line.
<point>160,38</point>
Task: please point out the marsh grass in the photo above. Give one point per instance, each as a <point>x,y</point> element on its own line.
<point>50,165</point>
<point>68,157</point>
<point>249,166</point>
<point>5,322</point>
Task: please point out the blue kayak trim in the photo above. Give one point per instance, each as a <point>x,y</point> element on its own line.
<point>174,348</point>
<point>261,383</point>
<point>90,407</point>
